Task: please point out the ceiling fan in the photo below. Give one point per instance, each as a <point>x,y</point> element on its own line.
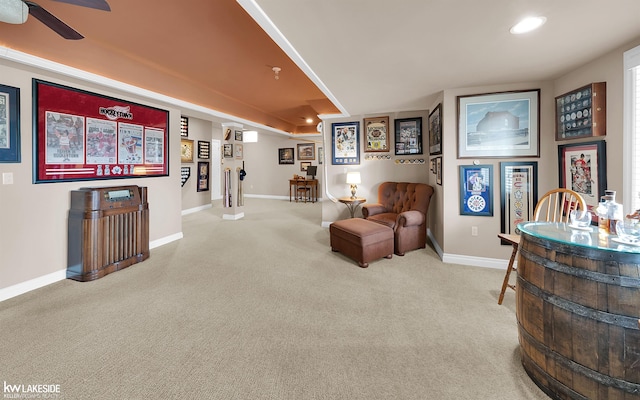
<point>17,11</point>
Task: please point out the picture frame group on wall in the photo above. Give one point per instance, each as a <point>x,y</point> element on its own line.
<point>376,131</point>
<point>408,136</point>
<point>476,190</point>
<point>286,156</point>
<point>435,130</point>
<point>306,151</point>
<point>9,124</point>
<point>518,194</point>
<point>345,140</point>
<point>499,125</point>
<point>582,168</point>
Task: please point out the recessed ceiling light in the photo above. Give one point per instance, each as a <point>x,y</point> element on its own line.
<point>309,120</point>
<point>527,25</point>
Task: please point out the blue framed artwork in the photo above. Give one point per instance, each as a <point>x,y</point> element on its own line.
<point>345,140</point>
<point>9,124</point>
<point>476,190</point>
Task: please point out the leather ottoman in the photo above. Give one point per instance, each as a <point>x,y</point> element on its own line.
<point>361,240</point>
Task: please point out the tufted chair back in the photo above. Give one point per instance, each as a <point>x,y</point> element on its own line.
<point>398,197</point>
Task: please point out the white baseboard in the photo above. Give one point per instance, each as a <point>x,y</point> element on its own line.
<point>32,284</point>
<point>196,209</point>
<point>167,239</point>
<point>44,280</point>
<point>233,217</point>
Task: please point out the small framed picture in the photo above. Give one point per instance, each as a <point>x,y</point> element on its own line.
<point>476,190</point>
<point>9,124</point>
<point>227,150</point>
<point>239,151</point>
<point>204,149</point>
<point>238,136</point>
<point>306,151</point>
<point>186,150</point>
<point>203,176</point>
<point>304,165</point>
<point>439,170</point>
<point>435,130</point>
<point>286,156</point>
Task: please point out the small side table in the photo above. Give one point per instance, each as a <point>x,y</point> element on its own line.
<point>352,204</point>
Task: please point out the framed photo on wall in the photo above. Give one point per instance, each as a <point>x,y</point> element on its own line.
<point>227,150</point>
<point>186,150</point>
<point>439,170</point>
<point>499,125</point>
<point>435,130</point>
<point>408,136</point>
<point>345,140</point>
<point>304,165</point>
<point>9,124</point>
<point>306,151</point>
<point>583,168</point>
<point>476,190</point>
<point>376,132</point>
<point>518,194</point>
<point>204,149</point>
<point>80,135</point>
<point>285,156</point>
<point>203,176</point>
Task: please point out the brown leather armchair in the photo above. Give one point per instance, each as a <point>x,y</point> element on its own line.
<point>403,207</point>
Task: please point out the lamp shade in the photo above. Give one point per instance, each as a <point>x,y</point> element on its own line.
<point>13,11</point>
<point>353,177</point>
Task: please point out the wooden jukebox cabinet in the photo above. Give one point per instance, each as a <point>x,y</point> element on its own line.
<point>108,230</point>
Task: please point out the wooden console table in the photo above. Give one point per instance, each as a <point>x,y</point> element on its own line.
<point>312,183</point>
<point>577,298</point>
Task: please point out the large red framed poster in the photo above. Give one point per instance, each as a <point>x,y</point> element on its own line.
<point>79,135</point>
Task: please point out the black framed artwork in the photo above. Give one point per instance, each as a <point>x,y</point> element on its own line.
<point>203,176</point>
<point>435,130</point>
<point>286,156</point>
<point>582,168</point>
<point>518,194</point>
<point>408,135</point>
<point>204,149</point>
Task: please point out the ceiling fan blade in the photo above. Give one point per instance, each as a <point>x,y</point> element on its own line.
<point>52,22</point>
<point>97,4</point>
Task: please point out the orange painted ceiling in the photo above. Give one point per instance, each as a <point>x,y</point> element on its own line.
<point>209,53</point>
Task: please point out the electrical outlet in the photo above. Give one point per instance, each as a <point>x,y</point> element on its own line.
<point>474,231</point>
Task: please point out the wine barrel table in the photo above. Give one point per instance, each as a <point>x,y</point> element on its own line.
<point>578,310</point>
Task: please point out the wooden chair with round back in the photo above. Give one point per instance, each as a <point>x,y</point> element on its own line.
<point>553,206</point>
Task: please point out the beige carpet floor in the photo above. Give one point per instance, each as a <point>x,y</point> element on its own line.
<point>260,308</point>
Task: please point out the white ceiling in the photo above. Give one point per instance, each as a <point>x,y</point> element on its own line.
<point>386,56</point>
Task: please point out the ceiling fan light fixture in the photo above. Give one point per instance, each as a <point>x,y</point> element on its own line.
<point>527,24</point>
<point>13,11</point>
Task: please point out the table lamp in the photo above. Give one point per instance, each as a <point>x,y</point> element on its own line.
<point>353,178</point>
